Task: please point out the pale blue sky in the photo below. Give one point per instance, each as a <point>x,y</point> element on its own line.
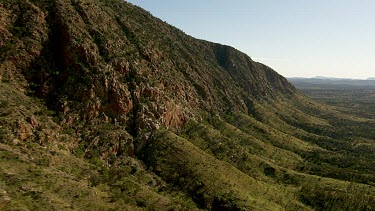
<point>295,37</point>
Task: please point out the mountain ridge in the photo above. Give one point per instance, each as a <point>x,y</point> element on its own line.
<point>160,120</point>
<point>91,55</point>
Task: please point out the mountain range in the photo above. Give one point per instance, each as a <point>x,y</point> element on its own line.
<point>330,78</point>
<point>105,107</point>
<point>319,82</point>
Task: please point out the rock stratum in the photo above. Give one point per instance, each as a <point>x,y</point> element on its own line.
<point>116,109</point>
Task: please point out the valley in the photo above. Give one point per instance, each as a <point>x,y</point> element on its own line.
<point>355,97</point>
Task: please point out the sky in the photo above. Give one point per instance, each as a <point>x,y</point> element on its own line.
<point>297,38</point>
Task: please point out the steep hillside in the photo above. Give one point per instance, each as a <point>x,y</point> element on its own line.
<point>140,115</point>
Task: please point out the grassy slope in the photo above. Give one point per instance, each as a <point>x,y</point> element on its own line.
<point>212,183</point>
<point>38,170</point>
<point>254,149</point>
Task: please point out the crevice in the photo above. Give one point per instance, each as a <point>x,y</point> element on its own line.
<point>46,75</point>
<point>132,124</point>
<point>222,55</point>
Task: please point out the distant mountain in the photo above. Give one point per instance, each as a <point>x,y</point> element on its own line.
<point>371,78</point>
<point>329,78</point>
<point>322,78</point>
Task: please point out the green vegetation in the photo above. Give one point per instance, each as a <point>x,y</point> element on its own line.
<point>104,107</point>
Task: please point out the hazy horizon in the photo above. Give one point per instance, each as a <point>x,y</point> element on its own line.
<point>296,38</point>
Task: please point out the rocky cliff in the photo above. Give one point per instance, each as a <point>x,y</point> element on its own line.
<point>108,61</point>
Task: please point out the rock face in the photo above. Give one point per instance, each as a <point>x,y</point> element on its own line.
<point>109,61</point>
